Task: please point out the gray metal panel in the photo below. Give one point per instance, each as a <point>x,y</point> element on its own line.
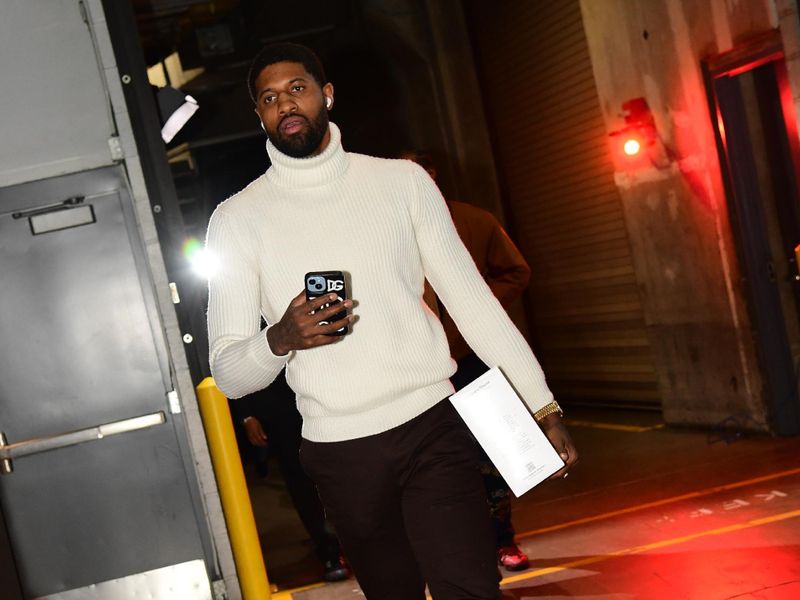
<point>99,511</point>
<point>42,107</point>
<point>75,316</point>
<point>187,581</point>
<point>80,352</point>
<point>56,114</point>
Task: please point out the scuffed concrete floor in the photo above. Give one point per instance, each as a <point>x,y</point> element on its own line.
<point>650,512</point>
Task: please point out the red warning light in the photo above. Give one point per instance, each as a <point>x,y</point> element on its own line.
<point>635,141</point>
<point>631,147</point>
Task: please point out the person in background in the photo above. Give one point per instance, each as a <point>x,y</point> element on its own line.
<point>507,273</point>
<point>394,464</point>
<point>270,420</point>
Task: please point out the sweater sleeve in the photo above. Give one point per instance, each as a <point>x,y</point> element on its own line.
<point>480,317</point>
<point>239,355</point>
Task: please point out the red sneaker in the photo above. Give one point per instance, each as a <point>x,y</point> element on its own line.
<point>512,558</point>
<point>336,569</point>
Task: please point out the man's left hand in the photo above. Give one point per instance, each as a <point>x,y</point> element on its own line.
<point>557,433</point>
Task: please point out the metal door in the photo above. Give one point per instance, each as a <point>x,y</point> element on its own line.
<point>94,486</point>
<point>761,180</point>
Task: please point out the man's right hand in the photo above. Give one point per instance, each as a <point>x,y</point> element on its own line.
<point>298,329</point>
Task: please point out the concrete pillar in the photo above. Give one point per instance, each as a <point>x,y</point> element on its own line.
<point>675,210</point>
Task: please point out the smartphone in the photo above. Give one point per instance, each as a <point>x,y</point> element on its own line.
<point>318,283</point>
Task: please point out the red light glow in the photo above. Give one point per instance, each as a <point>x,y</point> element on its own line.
<point>631,147</point>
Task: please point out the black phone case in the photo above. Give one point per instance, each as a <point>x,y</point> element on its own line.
<point>318,283</point>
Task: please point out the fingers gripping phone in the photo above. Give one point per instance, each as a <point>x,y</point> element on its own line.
<point>318,283</point>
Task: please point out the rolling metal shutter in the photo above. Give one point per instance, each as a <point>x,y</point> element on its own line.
<point>562,206</point>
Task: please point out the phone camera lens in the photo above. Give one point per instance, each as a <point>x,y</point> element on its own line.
<point>316,284</point>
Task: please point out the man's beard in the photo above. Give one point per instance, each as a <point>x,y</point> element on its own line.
<point>304,143</point>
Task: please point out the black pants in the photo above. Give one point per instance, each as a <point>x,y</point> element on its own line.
<point>409,507</point>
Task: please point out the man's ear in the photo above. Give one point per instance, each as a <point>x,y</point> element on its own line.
<point>327,92</point>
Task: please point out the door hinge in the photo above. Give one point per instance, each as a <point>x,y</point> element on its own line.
<point>173,291</point>
<point>84,12</point>
<point>174,402</point>
<point>219,589</point>
<point>115,146</point>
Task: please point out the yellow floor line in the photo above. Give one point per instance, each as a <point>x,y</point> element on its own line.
<point>653,546</point>
<point>613,426</point>
<point>287,594</point>
<point>625,511</point>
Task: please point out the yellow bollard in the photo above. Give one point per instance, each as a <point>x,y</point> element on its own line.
<point>233,491</point>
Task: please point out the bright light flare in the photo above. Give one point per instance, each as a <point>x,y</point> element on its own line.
<point>203,262</point>
<point>632,147</point>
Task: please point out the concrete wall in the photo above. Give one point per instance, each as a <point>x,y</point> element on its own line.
<point>676,212</point>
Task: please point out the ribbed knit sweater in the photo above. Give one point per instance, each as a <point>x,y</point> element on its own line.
<point>386,224</point>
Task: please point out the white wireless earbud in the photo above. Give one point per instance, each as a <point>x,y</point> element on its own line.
<point>328,101</point>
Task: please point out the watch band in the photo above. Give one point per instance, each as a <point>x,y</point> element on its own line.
<point>548,409</point>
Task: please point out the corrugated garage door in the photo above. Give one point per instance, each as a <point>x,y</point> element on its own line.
<point>562,206</point>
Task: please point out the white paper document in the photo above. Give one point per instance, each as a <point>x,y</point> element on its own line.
<point>507,431</point>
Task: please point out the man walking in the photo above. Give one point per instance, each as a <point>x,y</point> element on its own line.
<point>394,464</point>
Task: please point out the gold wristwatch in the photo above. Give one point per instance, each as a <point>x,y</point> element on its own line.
<point>548,409</point>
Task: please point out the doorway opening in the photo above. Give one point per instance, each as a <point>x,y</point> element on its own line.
<point>759,151</point>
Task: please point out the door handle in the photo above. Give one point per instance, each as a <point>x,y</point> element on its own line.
<point>8,452</point>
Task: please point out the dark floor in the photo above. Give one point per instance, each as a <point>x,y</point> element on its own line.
<point>650,512</point>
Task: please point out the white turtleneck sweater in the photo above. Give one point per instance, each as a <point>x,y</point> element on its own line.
<point>387,225</point>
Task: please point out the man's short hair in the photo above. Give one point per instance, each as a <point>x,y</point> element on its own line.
<point>285,52</point>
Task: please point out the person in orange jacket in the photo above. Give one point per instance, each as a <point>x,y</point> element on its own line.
<point>507,274</point>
